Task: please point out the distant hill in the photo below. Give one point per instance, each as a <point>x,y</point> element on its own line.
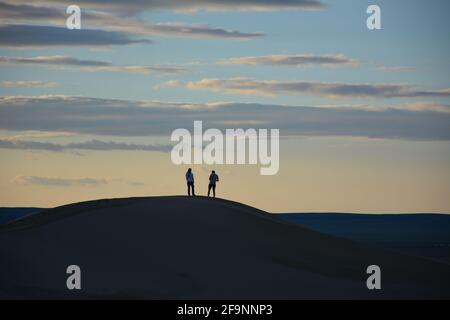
<point>193,248</point>
<point>9,214</point>
<point>424,234</point>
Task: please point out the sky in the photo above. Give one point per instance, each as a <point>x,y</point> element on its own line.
<point>364,115</point>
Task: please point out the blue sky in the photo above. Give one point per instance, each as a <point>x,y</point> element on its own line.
<point>414,34</point>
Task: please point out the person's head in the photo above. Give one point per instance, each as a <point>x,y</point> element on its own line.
<point>213,171</point>
<point>189,170</point>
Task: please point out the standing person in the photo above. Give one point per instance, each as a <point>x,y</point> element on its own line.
<point>190,182</point>
<point>213,178</point>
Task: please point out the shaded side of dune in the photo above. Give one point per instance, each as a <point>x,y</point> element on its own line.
<point>180,247</point>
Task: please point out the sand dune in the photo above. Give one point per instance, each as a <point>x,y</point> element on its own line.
<point>196,248</point>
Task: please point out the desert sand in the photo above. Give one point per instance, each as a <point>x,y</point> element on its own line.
<point>197,248</point>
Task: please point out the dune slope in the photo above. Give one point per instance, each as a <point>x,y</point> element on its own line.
<point>196,248</point>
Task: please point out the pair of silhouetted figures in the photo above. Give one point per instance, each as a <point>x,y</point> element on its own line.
<point>213,178</point>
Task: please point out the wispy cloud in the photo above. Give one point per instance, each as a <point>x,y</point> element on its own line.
<point>414,106</point>
<point>23,180</point>
<point>38,134</point>
<point>109,117</point>
<point>396,69</point>
<point>42,36</point>
<point>179,29</point>
<point>27,84</point>
<point>94,145</point>
<point>13,13</point>
<point>90,65</point>
<point>132,6</point>
<point>293,60</point>
<point>248,86</point>
<point>59,182</point>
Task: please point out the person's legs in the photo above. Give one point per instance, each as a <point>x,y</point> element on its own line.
<point>189,188</point>
<point>209,189</point>
<point>214,190</point>
<point>193,190</point>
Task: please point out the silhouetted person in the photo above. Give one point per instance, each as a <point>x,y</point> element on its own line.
<point>213,178</point>
<point>190,182</point>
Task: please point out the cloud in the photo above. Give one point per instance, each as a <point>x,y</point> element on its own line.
<point>12,13</point>
<point>27,84</point>
<point>396,69</point>
<point>90,65</point>
<point>59,182</point>
<point>109,117</point>
<point>248,86</point>
<point>417,106</point>
<point>133,6</point>
<point>39,134</point>
<point>94,145</point>
<point>293,60</point>
<point>23,180</point>
<point>40,36</point>
<point>185,30</point>
<point>55,61</point>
